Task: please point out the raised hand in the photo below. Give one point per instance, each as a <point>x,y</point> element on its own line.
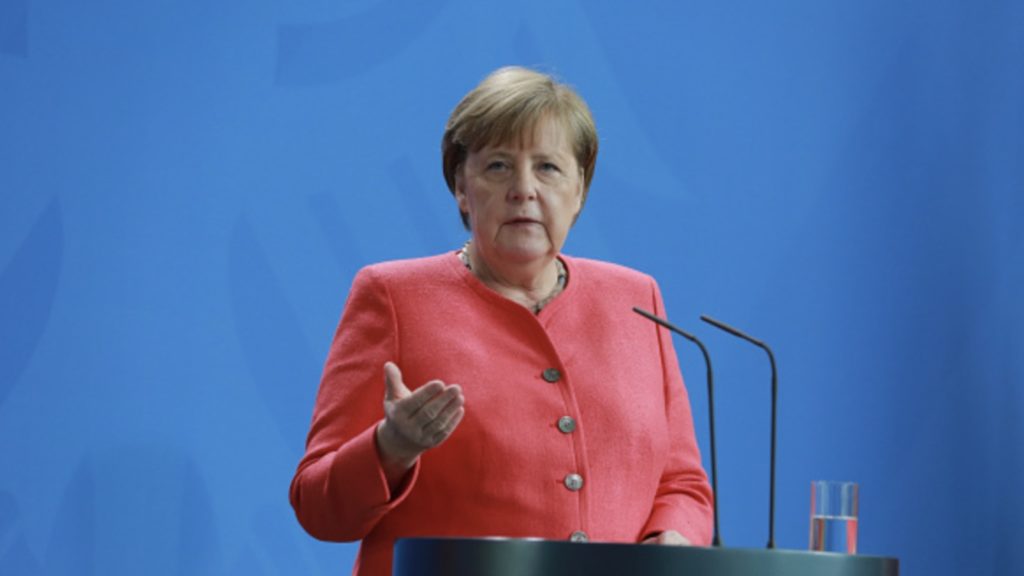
<point>415,422</point>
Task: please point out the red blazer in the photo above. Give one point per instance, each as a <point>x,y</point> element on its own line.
<point>626,464</point>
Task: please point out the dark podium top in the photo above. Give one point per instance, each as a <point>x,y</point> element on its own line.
<point>526,557</point>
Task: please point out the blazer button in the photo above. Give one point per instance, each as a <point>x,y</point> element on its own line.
<point>552,375</point>
<point>566,424</point>
<point>573,482</point>
<point>579,536</point>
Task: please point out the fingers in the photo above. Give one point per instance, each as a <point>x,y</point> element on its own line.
<point>394,387</point>
<point>434,416</point>
<point>418,420</point>
<point>437,428</point>
<point>424,399</point>
<point>434,403</point>
<point>448,426</point>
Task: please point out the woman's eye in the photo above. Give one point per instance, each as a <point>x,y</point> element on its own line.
<point>549,167</point>
<point>497,166</point>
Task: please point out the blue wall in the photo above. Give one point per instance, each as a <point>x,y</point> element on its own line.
<point>187,188</point>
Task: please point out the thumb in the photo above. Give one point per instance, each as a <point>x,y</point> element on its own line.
<point>394,387</point>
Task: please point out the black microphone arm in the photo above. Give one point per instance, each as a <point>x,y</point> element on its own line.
<point>775,395</point>
<point>716,541</point>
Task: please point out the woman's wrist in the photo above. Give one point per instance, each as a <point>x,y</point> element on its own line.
<point>395,459</point>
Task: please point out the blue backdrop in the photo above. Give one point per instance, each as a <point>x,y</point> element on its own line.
<point>187,188</point>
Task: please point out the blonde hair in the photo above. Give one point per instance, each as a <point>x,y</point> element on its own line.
<point>504,106</point>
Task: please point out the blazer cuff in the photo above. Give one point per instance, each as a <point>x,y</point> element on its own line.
<point>372,485</point>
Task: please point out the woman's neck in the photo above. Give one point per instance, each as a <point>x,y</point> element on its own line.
<point>532,284</point>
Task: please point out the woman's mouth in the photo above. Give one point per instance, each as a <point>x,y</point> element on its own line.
<point>519,221</point>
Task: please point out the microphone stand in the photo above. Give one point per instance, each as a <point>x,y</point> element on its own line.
<point>775,394</point>
<point>716,540</point>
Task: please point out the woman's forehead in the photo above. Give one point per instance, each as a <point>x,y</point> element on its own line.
<point>545,133</point>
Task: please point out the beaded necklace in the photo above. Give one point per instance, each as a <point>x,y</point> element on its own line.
<point>563,277</point>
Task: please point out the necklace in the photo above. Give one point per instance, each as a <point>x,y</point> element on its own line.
<point>563,276</point>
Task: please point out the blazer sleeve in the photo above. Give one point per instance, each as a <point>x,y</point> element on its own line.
<point>684,500</point>
<point>339,491</point>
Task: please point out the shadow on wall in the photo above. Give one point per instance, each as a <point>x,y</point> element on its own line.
<point>28,286</point>
<point>14,28</point>
<point>141,510</point>
<point>268,330</point>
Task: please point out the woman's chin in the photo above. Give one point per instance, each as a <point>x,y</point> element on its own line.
<point>524,253</point>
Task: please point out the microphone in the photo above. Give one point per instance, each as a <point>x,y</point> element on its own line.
<point>716,541</point>
<point>775,394</point>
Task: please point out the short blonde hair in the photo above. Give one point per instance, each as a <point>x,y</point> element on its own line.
<point>504,106</point>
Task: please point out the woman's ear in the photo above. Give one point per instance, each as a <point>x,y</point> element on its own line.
<point>460,190</point>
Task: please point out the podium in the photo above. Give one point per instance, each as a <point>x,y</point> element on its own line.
<point>529,557</point>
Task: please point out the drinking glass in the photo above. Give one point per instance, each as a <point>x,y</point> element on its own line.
<point>834,516</point>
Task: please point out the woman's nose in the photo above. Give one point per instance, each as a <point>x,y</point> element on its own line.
<point>523,185</point>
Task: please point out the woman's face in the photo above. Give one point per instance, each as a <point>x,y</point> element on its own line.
<point>521,197</point>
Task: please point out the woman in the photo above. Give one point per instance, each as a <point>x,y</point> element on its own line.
<point>521,395</point>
